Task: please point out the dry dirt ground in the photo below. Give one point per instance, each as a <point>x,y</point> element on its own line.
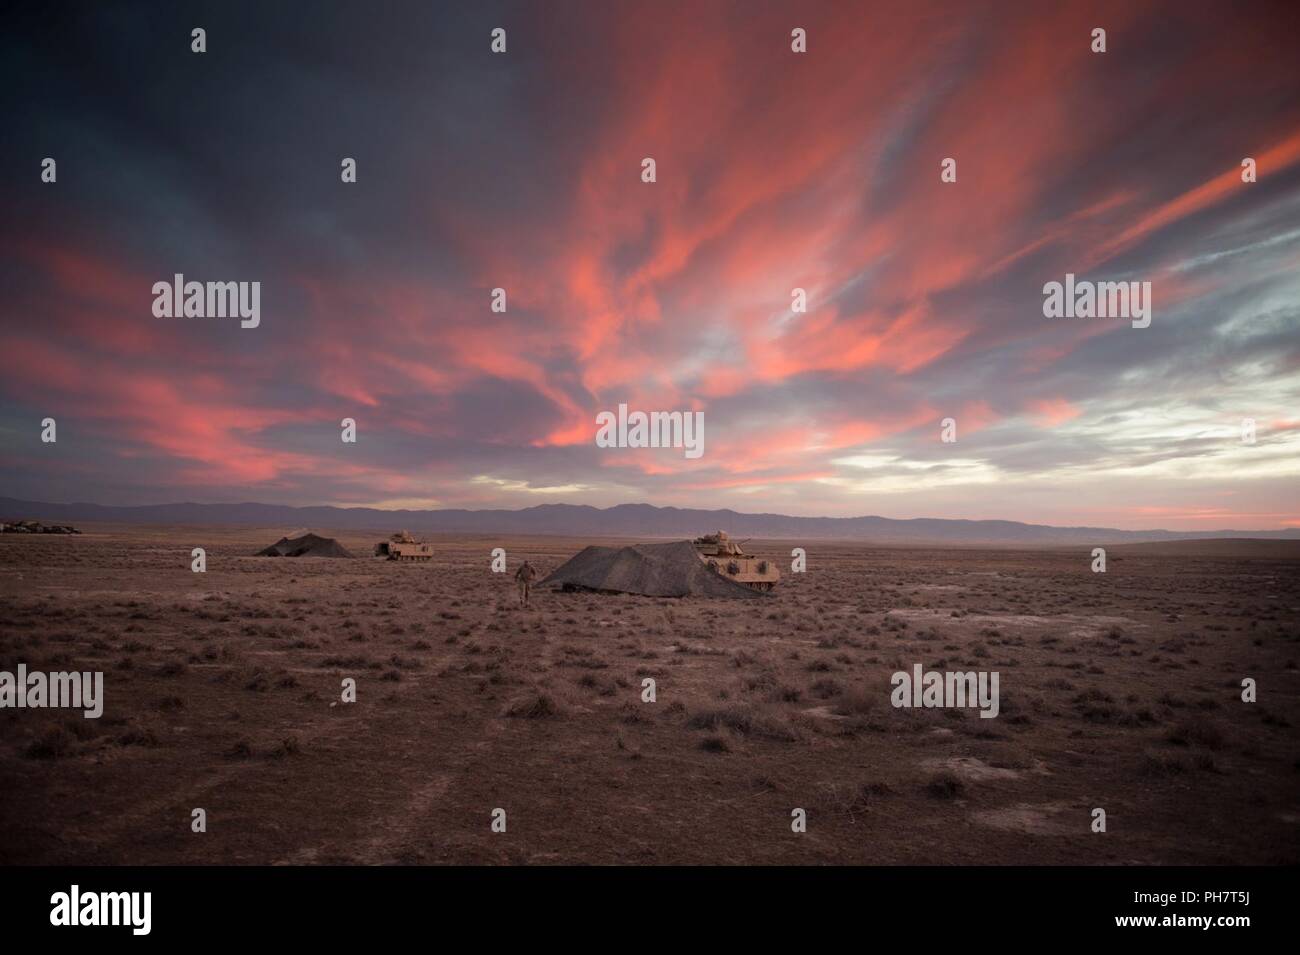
<point>1120,691</point>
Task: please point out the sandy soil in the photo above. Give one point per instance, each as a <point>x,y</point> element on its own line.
<point>1119,691</point>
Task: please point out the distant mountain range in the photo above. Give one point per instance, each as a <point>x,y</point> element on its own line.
<point>624,520</point>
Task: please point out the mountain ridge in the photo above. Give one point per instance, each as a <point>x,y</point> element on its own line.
<point>621,520</point>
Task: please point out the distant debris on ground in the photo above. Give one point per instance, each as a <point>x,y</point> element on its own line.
<point>36,527</point>
<point>308,545</point>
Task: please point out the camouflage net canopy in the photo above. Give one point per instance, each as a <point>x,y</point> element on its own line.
<point>309,545</point>
<point>652,570</point>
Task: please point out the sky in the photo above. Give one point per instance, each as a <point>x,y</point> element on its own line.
<point>774,171</point>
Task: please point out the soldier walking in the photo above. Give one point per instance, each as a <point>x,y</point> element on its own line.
<point>525,576</point>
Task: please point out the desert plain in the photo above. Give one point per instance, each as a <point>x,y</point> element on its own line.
<point>1120,691</point>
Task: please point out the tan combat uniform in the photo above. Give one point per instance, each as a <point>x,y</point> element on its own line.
<point>524,576</point>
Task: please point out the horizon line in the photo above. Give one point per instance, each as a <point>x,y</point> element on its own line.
<point>532,507</point>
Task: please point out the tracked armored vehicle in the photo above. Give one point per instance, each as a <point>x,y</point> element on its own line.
<point>723,556</point>
<point>402,546</point>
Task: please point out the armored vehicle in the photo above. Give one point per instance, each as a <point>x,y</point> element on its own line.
<point>722,555</point>
<point>402,546</point>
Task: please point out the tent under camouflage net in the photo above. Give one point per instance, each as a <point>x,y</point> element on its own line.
<point>653,570</point>
<point>308,545</point>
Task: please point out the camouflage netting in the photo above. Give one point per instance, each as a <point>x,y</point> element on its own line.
<point>308,545</point>
<point>653,570</point>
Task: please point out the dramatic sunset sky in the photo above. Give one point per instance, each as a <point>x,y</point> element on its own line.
<point>775,170</point>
